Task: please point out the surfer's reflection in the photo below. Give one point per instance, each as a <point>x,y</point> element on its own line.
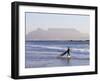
<point>68,60</point>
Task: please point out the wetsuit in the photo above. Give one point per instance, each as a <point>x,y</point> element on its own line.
<point>68,52</point>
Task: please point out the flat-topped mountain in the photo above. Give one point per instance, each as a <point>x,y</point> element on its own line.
<point>56,34</point>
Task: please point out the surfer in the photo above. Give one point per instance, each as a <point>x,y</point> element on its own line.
<point>66,52</point>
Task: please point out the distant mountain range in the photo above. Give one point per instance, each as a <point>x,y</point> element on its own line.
<point>56,34</point>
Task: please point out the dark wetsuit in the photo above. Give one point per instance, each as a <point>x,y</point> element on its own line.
<point>66,52</point>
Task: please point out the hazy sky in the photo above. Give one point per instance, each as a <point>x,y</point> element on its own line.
<point>47,20</point>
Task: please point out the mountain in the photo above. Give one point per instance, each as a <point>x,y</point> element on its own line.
<point>56,34</point>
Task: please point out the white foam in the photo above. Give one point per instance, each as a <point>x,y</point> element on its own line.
<point>43,52</point>
<point>50,47</point>
<point>80,49</point>
<point>60,48</point>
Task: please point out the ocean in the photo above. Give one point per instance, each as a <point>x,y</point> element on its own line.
<point>47,53</point>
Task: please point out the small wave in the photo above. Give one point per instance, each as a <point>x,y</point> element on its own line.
<point>75,57</point>
<point>59,48</point>
<point>80,49</point>
<point>42,52</point>
<point>49,54</point>
<point>50,47</point>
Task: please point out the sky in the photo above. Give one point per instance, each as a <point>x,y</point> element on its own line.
<point>48,20</point>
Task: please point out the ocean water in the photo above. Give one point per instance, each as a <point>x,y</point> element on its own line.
<point>47,53</point>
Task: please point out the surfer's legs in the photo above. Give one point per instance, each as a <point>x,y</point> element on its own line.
<point>68,54</point>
